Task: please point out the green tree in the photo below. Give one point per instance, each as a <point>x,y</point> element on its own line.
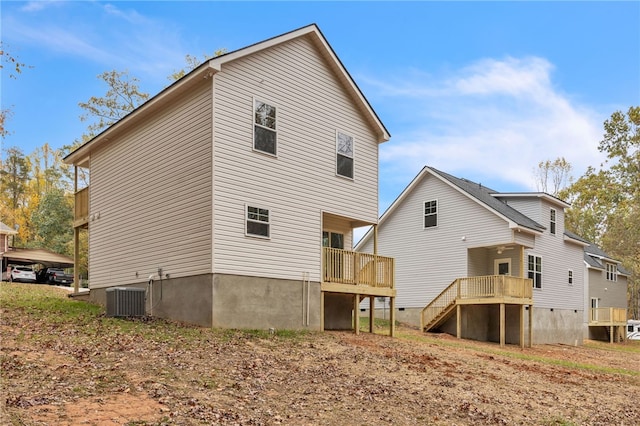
<point>52,221</point>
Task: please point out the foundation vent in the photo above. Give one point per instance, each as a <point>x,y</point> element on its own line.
<point>125,302</point>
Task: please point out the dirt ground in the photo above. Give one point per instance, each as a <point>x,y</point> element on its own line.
<point>102,371</point>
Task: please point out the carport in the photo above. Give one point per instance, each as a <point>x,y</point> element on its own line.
<point>46,258</point>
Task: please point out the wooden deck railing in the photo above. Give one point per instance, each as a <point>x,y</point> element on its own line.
<point>81,215</point>
<point>483,287</point>
<point>351,267</point>
<point>607,316</point>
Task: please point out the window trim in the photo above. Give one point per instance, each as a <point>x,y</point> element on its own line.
<point>275,130</point>
<point>534,272</point>
<point>553,221</point>
<point>247,220</point>
<point>611,270</point>
<point>353,155</point>
<point>570,277</point>
<point>436,214</point>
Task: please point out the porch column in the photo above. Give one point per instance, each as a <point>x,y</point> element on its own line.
<point>502,327</point>
<point>522,326</point>
<point>375,255</point>
<point>372,307</point>
<point>530,326</point>
<point>356,312</point>
<point>459,321</point>
<point>392,316</point>
<point>375,239</point>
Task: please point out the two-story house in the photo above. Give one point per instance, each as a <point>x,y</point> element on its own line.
<point>231,196</point>
<point>481,264</point>
<point>605,296</point>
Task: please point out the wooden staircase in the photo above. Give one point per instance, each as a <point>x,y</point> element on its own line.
<point>488,289</point>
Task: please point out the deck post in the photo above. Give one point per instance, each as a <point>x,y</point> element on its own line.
<point>522,326</point>
<point>392,316</point>
<point>502,325</point>
<point>611,336</point>
<point>372,316</point>
<point>76,237</point>
<point>356,313</point>
<point>459,321</point>
<point>322,311</point>
<point>530,326</point>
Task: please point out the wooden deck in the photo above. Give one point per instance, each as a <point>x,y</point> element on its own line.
<point>81,209</point>
<point>614,320</point>
<point>361,275</point>
<point>358,273</point>
<point>490,289</point>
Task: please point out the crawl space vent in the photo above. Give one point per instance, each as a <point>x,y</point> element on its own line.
<point>125,302</point>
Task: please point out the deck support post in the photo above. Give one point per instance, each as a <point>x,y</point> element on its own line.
<point>530,326</point>
<point>502,325</point>
<point>322,311</point>
<point>392,316</point>
<point>459,321</point>
<point>522,326</point>
<point>372,316</point>
<point>611,336</point>
<point>356,313</point>
<point>76,237</point>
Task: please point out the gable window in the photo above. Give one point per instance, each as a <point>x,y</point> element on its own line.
<point>430,213</point>
<point>570,278</point>
<point>344,155</point>
<point>552,222</point>
<point>612,272</point>
<point>534,270</point>
<point>257,222</point>
<point>264,128</point>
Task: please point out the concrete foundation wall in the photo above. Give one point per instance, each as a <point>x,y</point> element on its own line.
<point>557,326</point>
<point>263,303</point>
<point>338,311</point>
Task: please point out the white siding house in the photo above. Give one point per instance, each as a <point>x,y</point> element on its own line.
<point>449,234</point>
<point>218,194</point>
<point>605,296</point>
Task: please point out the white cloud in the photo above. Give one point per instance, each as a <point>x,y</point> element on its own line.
<point>124,39</point>
<point>493,121</point>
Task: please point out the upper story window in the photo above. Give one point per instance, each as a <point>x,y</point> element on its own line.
<point>257,222</point>
<point>534,270</point>
<point>264,128</point>
<point>345,146</point>
<point>612,272</point>
<point>552,222</point>
<point>430,213</point>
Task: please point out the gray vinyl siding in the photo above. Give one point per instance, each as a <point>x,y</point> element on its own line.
<point>300,183</point>
<point>558,256</point>
<point>151,188</point>
<point>428,260</point>
<point>610,294</point>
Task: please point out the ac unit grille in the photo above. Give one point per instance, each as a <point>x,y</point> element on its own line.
<point>125,302</point>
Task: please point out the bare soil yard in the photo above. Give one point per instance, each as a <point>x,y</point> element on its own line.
<point>64,363</point>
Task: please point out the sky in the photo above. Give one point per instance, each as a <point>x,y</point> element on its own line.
<point>481,90</point>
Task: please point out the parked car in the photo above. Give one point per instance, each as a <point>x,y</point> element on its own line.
<point>23,274</point>
<point>54,276</point>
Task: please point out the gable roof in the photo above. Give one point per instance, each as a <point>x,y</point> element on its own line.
<point>596,258</point>
<point>484,196</point>
<point>215,65</point>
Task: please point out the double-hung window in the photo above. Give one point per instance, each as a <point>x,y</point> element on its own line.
<point>534,270</point>
<point>345,146</point>
<point>612,272</point>
<point>265,135</point>
<point>430,213</point>
<point>257,222</point>
<point>552,222</point>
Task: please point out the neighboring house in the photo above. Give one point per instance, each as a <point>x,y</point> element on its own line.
<point>605,296</point>
<point>232,195</point>
<point>481,264</point>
